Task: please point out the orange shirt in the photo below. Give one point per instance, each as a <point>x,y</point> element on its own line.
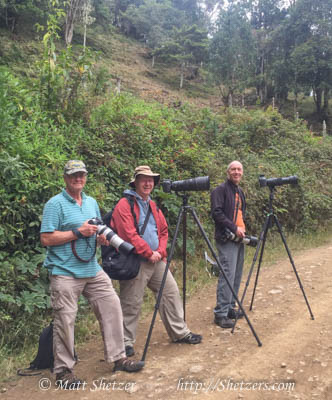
<point>239,218</point>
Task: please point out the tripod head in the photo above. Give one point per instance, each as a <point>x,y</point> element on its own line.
<point>184,196</point>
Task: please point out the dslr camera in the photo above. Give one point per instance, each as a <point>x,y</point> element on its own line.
<point>115,240</point>
<point>249,240</point>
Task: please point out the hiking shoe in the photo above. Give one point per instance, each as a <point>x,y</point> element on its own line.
<point>191,338</point>
<point>233,314</point>
<point>67,380</point>
<point>224,322</point>
<point>124,364</point>
<point>130,351</point>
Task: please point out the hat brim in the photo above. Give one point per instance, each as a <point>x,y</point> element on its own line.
<point>156,178</point>
<point>73,171</point>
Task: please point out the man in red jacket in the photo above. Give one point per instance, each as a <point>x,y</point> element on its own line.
<point>152,247</point>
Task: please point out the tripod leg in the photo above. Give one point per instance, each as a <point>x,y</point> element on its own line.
<point>268,222</point>
<point>293,265</point>
<point>184,261</point>
<point>156,307</point>
<point>223,273</point>
<point>261,239</point>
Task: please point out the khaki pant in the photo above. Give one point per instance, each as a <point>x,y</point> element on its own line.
<point>99,291</point>
<point>170,309</point>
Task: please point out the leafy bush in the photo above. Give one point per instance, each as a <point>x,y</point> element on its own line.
<point>120,134</point>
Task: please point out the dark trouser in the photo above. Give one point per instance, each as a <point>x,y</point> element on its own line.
<point>231,258</point>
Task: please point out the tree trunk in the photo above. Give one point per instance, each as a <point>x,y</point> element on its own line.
<point>73,7</point>
<point>318,100</point>
<point>230,100</point>
<point>118,86</point>
<point>182,75</point>
<point>84,37</point>
<point>326,101</point>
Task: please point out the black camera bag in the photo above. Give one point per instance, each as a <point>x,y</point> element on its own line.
<point>117,265</point>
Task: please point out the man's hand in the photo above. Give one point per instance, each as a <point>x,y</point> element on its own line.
<point>101,240</point>
<point>155,257</point>
<point>240,232</point>
<point>87,229</point>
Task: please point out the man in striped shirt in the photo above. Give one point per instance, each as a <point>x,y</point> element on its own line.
<point>73,269</point>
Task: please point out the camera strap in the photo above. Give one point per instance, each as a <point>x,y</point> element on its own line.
<point>145,221</point>
<point>73,242</point>
<point>73,248</point>
<point>237,205</point>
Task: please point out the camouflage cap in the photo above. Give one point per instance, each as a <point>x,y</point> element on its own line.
<point>74,166</point>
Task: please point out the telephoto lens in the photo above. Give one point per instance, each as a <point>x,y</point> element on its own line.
<point>111,236</point>
<point>193,184</point>
<point>288,180</point>
<point>248,240</point>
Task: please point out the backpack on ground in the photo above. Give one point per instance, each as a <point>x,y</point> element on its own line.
<point>44,358</point>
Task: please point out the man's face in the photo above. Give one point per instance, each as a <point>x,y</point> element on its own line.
<point>235,172</point>
<point>75,182</point>
<point>144,185</point>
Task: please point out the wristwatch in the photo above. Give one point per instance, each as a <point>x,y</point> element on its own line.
<point>78,234</point>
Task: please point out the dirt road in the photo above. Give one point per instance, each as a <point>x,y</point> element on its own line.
<point>294,361</point>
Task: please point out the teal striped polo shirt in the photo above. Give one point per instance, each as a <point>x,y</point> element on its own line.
<point>63,213</point>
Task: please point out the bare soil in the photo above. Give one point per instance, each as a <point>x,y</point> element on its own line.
<point>294,361</point>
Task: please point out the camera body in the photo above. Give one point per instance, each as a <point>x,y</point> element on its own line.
<point>248,240</point>
<point>111,236</point>
<point>293,180</point>
<point>193,184</point>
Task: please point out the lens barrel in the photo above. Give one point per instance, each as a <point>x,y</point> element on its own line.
<point>193,184</point>
<point>288,180</point>
<point>115,240</point>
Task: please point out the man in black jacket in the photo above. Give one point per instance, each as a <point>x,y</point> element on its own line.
<point>228,207</point>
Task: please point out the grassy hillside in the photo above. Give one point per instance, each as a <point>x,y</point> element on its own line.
<point>122,58</point>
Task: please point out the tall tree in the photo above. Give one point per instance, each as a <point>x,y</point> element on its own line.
<point>265,17</point>
<point>72,11</point>
<point>87,19</point>
<point>152,21</point>
<point>11,11</point>
<point>188,47</point>
<point>192,9</point>
<point>232,52</point>
<point>311,26</point>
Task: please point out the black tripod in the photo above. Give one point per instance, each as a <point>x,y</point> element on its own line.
<point>269,220</point>
<point>182,214</point>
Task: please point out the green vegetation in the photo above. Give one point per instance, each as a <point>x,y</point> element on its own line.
<point>55,105</point>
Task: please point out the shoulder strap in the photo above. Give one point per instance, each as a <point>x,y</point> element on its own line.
<point>237,198</point>
<point>146,221</point>
<point>131,201</point>
<point>107,217</point>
